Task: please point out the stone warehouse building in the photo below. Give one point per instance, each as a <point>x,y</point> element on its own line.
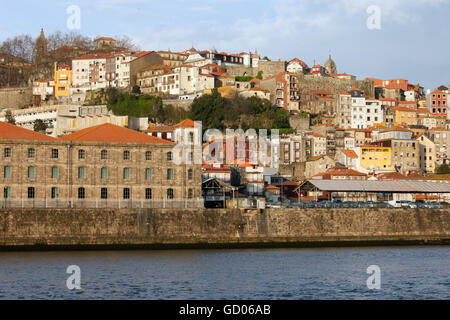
<point>105,166</point>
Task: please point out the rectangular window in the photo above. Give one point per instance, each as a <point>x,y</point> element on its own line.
<point>31,153</point>
<point>126,173</point>
<point>7,171</point>
<point>148,194</point>
<point>7,152</point>
<point>81,193</point>
<point>55,172</point>
<point>81,173</point>
<point>55,153</point>
<point>31,193</point>
<point>55,193</point>
<point>170,174</point>
<point>104,173</point>
<point>148,174</point>
<point>104,193</point>
<point>31,172</point>
<point>126,193</point>
<point>7,192</point>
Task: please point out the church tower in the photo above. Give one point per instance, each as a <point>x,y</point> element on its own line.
<point>41,49</point>
<point>330,66</point>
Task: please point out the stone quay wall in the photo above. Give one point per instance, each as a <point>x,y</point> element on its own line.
<point>42,229</point>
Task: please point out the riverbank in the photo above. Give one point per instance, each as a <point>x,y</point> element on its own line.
<point>128,229</point>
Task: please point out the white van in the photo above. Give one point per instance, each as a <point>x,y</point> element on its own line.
<point>402,204</point>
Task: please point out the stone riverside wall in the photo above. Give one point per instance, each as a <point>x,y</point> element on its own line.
<point>15,98</point>
<point>167,228</point>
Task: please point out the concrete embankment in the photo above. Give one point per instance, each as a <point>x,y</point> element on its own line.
<point>84,229</point>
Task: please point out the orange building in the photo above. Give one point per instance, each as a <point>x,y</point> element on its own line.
<point>63,80</point>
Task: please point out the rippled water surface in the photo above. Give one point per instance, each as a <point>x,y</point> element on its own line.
<point>406,273</point>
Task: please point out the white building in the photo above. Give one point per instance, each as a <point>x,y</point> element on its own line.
<point>366,112</point>
<point>64,119</point>
<point>296,65</point>
<point>344,110</point>
<point>89,71</point>
<point>192,80</point>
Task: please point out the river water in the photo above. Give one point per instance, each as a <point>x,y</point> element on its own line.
<point>288,274</point>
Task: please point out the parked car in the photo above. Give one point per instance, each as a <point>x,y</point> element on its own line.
<point>400,203</point>
<point>370,204</point>
<point>436,205</point>
<point>384,205</point>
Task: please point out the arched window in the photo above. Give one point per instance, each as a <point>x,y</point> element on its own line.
<point>81,193</point>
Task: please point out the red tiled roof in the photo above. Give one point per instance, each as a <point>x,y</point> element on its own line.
<point>423,110</point>
<point>105,38</point>
<point>12,132</point>
<point>346,172</point>
<point>92,56</point>
<point>188,123</point>
<point>405,109</point>
<point>299,61</point>
<point>350,153</point>
<point>111,133</point>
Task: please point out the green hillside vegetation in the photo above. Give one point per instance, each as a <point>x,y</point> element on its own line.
<point>220,113</point>
<point>212,109</point>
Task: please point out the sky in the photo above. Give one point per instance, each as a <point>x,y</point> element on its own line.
<point>406,39</point>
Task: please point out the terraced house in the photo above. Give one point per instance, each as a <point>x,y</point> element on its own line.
<point>104,166</point>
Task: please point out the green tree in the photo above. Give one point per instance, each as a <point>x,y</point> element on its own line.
<point>39,125</point>
<point>160,115</point>
<point>112,96</point>
<point>9,117</point>
<point>443,169</point>
<point>259,75</point>
<point>210,109</point>
<point>134,106</point>
<point>136,90</point>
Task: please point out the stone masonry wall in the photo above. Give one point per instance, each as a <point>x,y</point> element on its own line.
<point>83,227</point>
<point>15,98</point>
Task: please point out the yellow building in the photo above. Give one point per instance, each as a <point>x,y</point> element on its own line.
<point>404,116</point>
<point>375,158</point>
<point>173,59</point>
<point>63,80</point>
